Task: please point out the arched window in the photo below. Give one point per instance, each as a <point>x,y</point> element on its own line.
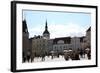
<point>60,42</point>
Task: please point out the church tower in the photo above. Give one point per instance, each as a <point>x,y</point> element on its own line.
<point>46,34</point>
<point>25,40</point>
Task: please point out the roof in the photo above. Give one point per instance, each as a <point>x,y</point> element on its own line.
<point>46,32</point>
<point>82,39</point>
<point>46,29</point>
<point>67,40</point>
<point>36,37</point>
<point>89,29</point>
<point>24,26</point>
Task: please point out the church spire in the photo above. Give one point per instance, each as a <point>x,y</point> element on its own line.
<point>46,33</point>
<point>46,26</point>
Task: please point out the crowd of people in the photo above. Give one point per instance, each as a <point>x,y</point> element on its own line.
<point>73,55</point>
<point>76,55</point>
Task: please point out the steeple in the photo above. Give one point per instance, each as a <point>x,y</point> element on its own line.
<point>46,33</point>
<point>25,29</point>
<point>46,28</point>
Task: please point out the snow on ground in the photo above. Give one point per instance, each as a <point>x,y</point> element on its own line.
<point>61,58</point>
<point>49,59</point>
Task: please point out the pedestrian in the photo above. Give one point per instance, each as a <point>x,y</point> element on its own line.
<point>77,56</point>
<point>81,54</point>
<point>32,57</point>
<point>43,56</point>
<point>66,56</point>
<point>28,56</point>
<point>89,54</point>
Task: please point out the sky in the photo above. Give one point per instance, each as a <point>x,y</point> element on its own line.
<point>60,24</point>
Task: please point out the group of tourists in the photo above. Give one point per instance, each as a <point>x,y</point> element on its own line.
<point>30,57</point>
<point>73,55</point>
<point>77,55</point>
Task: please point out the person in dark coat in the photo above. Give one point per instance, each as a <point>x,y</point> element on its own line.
<point>24,58</point>
<point>66,56</point>
<point>28,56</point>
<point>81,53</point>
<point>77,56</point>
<point>32,57</point>
<point>72,56</point>
<point>89,54</point>
<point>43,56</point>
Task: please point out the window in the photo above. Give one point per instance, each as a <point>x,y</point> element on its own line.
<point>60,47</point>
<point>60,42</point>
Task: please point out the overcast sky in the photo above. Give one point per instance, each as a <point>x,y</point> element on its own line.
<point>60,24</point>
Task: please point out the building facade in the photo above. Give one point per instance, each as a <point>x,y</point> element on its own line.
<point>88,37</point>
<point>76,44</point>
<point>83,42</point>
<point>26,50</point>
<point>61,44</point>
<point>49,46</point>
<point>66,43</point>
<point>44,45</point>
<point>41,44</point>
